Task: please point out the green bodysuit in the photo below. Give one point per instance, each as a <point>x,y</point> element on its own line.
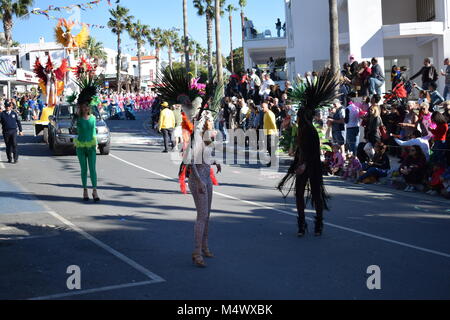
<point>86,145</point>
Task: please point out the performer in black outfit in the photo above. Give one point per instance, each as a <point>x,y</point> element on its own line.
<point>10,123</point>
<point>306,170</point>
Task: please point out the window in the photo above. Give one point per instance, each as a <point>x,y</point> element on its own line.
<point>426,10</point>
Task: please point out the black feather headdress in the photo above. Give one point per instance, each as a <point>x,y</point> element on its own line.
<point>310,96</point>
<point>314,95</point>
<point>179,87</point>
<point>89,87</point>
<point>175,86</point>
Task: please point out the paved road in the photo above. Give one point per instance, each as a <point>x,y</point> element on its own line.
<point>136,243</point>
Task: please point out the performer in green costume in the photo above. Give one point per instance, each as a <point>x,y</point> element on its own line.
<point>86,142</point>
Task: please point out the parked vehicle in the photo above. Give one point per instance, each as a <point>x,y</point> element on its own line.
<point>62,131</point>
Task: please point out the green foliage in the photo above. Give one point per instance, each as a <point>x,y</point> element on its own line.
<point>202,71</point>
<point>280,62</point>
<point>323,142</point>
<point>238,59</point>
<point>120,20</point>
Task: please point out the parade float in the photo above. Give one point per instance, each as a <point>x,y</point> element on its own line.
<point>53,81</point>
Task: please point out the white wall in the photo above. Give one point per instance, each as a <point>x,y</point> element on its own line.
<point>311,33</point>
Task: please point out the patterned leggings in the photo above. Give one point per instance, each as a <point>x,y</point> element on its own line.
<point>203,205</point>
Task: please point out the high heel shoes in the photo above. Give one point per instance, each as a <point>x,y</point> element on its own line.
<point>85,197</point>
<point>208,254</point>
<point>95,197</point>
<point>302,228</point>
<point>197,259</point>
<point>318,229</point>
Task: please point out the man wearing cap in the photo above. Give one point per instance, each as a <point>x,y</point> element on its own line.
<point>10,123</point>
<point>167,125</point>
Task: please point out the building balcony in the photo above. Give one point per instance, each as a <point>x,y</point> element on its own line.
<point>413,30</point>
<point>252,33</point>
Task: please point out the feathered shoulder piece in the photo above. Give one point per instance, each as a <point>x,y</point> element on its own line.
<point>316,94</point>
<point>89,86</point>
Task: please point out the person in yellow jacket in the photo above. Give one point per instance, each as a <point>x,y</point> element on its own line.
<point>270,128</point>
<point>167,125</point>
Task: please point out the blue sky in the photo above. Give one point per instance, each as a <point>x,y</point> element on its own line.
<point>156,13</point>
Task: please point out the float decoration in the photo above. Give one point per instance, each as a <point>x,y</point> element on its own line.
<point>64,36</point>
<point>84,69</point>
<point>51,80</point>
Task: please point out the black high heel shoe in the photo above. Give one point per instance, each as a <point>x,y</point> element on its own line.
<point>302,228</point>
<point>96,199</point>
<point>318,229</point>
<point>85,197</point>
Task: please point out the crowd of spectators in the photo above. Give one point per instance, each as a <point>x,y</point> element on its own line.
<point>372,138</point>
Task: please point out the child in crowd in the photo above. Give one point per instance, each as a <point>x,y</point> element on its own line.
<point>353,169</point>
<point>327,160</point>
<point>435,183</point>
<point>337,162</point>
<point>413,168</point>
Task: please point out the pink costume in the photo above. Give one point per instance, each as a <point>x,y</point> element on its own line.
<point>337,161</point>
<point>352,169</point>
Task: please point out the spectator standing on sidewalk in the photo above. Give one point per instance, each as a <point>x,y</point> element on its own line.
<point>373,134</point>
<point>166,126</point>
<point>376,79</point>
<point>352,121</point>
<point>429,74</point>
<point>270,128</point>
<point>10,122</point>
<point>446,74</point>
<point>338,125</point>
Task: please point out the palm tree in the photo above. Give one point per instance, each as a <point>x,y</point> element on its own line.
<point>118,23</point>
<point>217,15</point>
<point>186,38</point>
<point>95,50</point>
<point>9,9</point>
<point>155,39</point>
<point>195,50</point>
<point>334,36</point>
<point>169,39</point>
<point>206,8</point>
<point>179,48</point>
<point>230,9</point>
<point>243,4</point>
<point>139,32</point>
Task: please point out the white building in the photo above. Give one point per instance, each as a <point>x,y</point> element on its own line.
<point>148,70</point>
<point>262,43</point>
<point>23,58</point>
<point>397,32</point>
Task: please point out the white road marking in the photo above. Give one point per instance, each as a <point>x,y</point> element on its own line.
<point>2,147</point>
<point>107,248</point>
<point>89,291</point>
<point>369,235</point>
<point>152,276</point>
